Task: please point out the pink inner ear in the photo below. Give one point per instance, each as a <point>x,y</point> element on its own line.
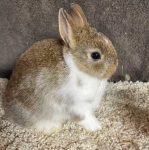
<point>66,27</point>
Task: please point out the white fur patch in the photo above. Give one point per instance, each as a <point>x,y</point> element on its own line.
<point>91,88</point>
<point>79,100</point>
<point>85,97</point>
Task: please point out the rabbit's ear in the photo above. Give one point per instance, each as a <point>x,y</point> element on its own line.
<point>79,16</point>
<point>66,27</point>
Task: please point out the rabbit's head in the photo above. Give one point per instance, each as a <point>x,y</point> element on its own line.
<point>92,52</point>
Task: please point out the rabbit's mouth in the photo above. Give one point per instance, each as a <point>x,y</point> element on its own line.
<point>110,70</point>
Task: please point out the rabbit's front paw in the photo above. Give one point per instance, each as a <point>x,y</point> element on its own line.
<point>48,127</point>
<point>91,124</point>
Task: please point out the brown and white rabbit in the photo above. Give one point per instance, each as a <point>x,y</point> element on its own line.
<point>59,80</point>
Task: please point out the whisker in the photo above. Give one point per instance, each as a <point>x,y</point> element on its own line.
<point>97,89</point>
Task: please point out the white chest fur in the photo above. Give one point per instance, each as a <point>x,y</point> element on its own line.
<point>81,94</point>
<point>83,88</point>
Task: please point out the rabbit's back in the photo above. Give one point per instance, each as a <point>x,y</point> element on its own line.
<point>46,54</point>
<point>40,70</point>
<point>42,54</point>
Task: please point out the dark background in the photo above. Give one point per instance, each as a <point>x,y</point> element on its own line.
<point>125,22</point>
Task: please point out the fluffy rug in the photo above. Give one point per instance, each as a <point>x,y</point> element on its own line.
<point>124,114</point>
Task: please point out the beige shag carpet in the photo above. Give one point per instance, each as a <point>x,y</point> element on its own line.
<point>124,114</point>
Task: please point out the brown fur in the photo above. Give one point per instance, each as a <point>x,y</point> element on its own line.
<point>30,63</point>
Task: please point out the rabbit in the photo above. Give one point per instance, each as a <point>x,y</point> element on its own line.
<point>59,80</point>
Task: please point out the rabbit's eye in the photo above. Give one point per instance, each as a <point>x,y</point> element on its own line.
<point>95,55</point>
